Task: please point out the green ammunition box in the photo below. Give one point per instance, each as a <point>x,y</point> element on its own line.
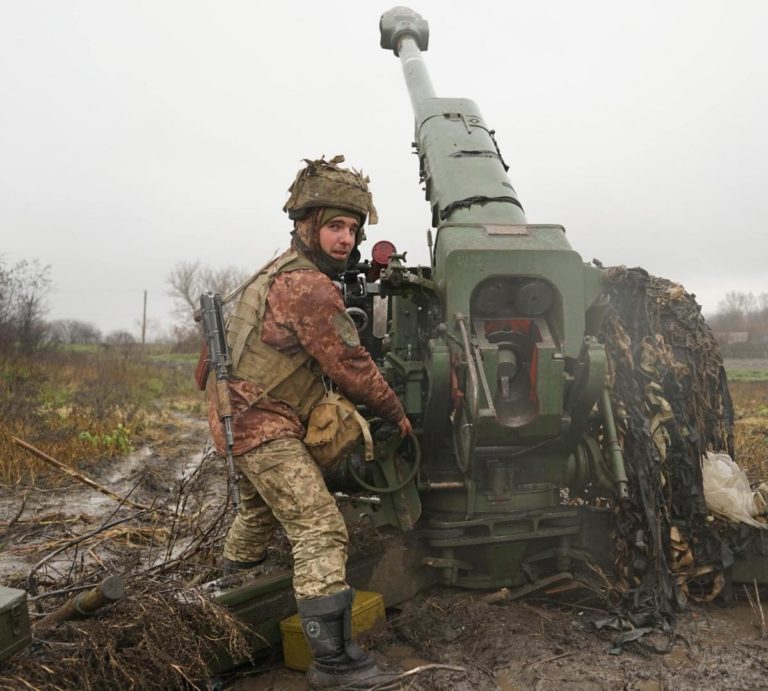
<point>14,622</point>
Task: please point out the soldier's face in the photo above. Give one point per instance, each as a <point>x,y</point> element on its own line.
<point>337,237</point>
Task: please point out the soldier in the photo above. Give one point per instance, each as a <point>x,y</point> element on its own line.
<point>288,329</point>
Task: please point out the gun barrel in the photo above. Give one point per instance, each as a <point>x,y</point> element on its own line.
<point>415,71</point>
<point>407,35</point>
<point>461,165</point>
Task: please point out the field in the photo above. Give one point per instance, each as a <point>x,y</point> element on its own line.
<point>134,424</point>
<point>748,382</point>
<point>87,405</point>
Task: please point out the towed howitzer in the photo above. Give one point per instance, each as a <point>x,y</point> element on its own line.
<point>214,333</point>
<point>494,351</point>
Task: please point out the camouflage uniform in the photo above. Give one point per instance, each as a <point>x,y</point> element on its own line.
<point>303,319</point>
<point>289,328</point>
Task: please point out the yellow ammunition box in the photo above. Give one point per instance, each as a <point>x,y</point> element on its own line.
<point>367,609</point>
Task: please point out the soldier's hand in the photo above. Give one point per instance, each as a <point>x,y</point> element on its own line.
<point>405,427</point>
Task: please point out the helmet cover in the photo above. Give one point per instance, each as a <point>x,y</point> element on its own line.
<point>325,184</point>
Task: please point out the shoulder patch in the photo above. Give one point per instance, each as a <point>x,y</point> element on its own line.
<point>346,329</point>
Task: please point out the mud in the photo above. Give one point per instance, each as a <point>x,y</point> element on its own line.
<point>508,645</point>
<point>36,520</point>
<point>543,646</point>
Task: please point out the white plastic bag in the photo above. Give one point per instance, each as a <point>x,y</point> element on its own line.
<point>727,491</point>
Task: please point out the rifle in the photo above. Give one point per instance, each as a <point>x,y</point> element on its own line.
<point>218,360</point>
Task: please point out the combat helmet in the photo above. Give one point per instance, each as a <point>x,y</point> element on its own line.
<point>325,184</point>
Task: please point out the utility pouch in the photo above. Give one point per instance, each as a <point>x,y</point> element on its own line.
<point>333,429</point>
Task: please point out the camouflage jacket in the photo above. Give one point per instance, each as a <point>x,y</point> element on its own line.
<point>305,311</point>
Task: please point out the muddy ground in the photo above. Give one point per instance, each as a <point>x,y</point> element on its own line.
<point>448,639</point>
<point>539,645</point>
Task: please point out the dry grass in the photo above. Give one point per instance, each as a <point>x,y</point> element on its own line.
<point>163,634</point>
<point>80,406</point>
<point>158,637</point>
<point>750,401</point>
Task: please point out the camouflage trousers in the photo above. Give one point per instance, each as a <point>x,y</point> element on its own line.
<point>280,482</point>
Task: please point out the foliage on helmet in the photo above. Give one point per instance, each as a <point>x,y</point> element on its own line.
<point>324,183</point>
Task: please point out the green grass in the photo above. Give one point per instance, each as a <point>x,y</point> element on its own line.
<point>174,358</point>
<point>81,347</point>
<point>85,403</point>
<point>737,374</point>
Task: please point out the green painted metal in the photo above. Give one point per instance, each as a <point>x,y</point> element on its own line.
<point>392,475</point>
<point>526,496</point>
<point>488,551</point>
<point>466,255</point>
<point>469,185</point>
<point>15,631</point>
<point>505,331</point>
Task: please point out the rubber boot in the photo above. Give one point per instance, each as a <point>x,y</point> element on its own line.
<point>230,566</point>
<point>338,661</point>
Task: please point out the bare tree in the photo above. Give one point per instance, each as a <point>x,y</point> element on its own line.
<point>188,280</point>
<point>185,338</point>
<point>120,338</point>
<point>734,312</point>
<point>6,300</point>
<point>23,289</point>
<point>737,303</point>
<point>760,318</point>
<point>122,343</point>
<point>742,312</point>
<point>33,283</point>
<point>183,281</point>
<point>73,331</point>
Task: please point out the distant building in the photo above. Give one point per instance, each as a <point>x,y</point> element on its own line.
<point>725,337</point>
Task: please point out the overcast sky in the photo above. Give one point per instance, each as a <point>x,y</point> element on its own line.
<point>135,135</point>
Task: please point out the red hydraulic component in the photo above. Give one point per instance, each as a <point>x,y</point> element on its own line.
<point>380,255</point>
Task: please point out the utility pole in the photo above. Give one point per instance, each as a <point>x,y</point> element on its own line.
<point>144,322</point>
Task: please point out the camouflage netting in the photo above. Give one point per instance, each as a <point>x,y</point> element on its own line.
<point>671,404</point>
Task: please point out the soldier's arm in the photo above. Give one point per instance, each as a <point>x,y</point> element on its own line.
<point>328,334</point>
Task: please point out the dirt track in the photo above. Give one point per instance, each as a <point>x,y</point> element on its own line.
<point>509,645</point>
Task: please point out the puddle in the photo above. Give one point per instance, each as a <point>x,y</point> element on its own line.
<point>127,467</point>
